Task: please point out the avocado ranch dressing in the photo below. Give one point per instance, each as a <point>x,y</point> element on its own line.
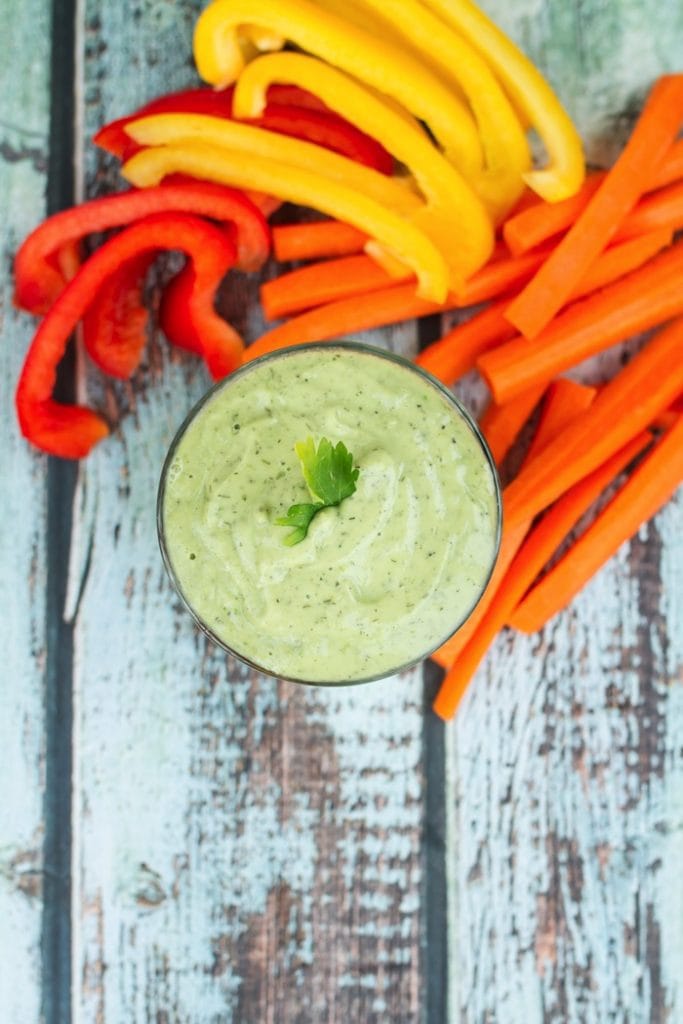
<point>381,579</point>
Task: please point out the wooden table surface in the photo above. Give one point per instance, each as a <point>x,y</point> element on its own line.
<point>185,842</point>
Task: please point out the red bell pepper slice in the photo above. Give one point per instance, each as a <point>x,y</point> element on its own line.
<point>174,318</point>
<point>71,431</point>
<point>326,129</point>
<point>39,278</point>
<point>289,111</point>
<point>115,323</point>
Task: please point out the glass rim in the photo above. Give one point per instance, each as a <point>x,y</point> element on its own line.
<point>352,346</point>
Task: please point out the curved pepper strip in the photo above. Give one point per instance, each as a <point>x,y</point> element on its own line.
<point>71,431</point>
<point>290,111</point>
<point>178,129</point>
<point>506,151</point>
<point>212,163</point>
<point>174,312</point>
<point>529,92</point>
<point>115,323</point>
<point>373,60</point>
<point>37,279</point>
<point>363,18</point>
<point>453,211</point>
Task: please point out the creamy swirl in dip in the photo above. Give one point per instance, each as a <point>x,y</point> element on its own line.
<point>382,579</point>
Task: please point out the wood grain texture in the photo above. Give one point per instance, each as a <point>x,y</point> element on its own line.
<point>244,850</point>
<point>24,121</point>
<point>565,762</point>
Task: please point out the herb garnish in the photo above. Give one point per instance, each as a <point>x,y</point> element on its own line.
<point>330,476</point>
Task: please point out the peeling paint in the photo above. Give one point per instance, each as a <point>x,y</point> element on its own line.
<point>23,131</point>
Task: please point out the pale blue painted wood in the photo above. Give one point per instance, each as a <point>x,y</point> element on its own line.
<point>565,762</point>
<point>24,69</point>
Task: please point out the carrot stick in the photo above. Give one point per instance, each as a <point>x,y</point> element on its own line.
<point>316,240</point>
<point>499,276</point>
<point>318,283</point>
<point>458,350</point>
<point>617,194</point>
<point>621,259</point>
<point>624,407</point>
<point>527,229</point>
<point>532,555</point>
<point>651,485</point>
<point>332,279</point>
<point>501,424</point>
<point>663,209</point>
<point>543,540</point>
<point>448,358</point>
<point>496,278</point>
<point>670,416</point>
<point>671,168</point>
<point>346,316</point>
<point>640,300</point>
<point>564,401</point>
<point>451,650</point>
<point>539,223</point>
<point>527,199</point>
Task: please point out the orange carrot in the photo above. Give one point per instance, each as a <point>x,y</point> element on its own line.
<point>617,194</point>
<point>536,224</point>
<point>624,407</point>
<point>316,240</point>
<point>663,209</point>
<point>501,424</point>
<point>670,416</point>
<point>319,283</point>
<point>499,276</point>
<point>543,540</point>
<point>458,350</point>
<point>621,259</point>
<point>331,279</point>
<point>666,420</point>
<point>671,168</point>
<point>451,650</point>
<point>539,223</point>
<point>564,401</point>
<point>533,554</point>
<point>344,317</point>
<point>527,199</point>
<point>640,300</point>
<point>650,486</point>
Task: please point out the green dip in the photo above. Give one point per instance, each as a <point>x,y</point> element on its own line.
<point>381,580</point>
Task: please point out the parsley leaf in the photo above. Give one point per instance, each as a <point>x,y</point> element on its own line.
<point>330,476</point>
<point>298,516</point>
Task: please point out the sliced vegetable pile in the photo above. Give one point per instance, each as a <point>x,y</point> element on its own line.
<point>406,125</point>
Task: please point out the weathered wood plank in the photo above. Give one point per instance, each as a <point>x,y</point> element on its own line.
<point>24,86</point>
<point>566,766</point>
<point>245,850</point>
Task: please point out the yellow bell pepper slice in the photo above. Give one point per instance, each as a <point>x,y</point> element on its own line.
<point>530,93</point>
<point>298,185</point>
<point>159,129</point>
<point>377,61</point>
<point>506,150</point>
<point>454,217</point>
